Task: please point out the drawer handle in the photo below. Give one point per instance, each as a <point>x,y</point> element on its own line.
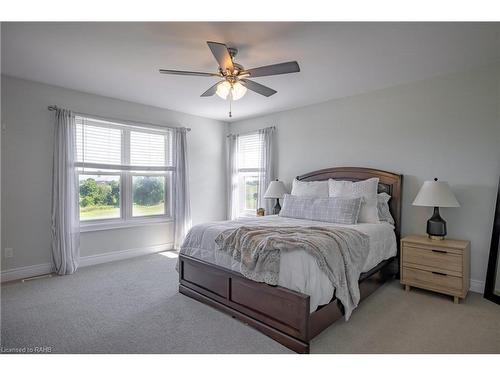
<point>439,273</point>
<point>440,251</point>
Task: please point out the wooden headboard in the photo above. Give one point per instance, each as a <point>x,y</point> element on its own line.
<point>390,183</point>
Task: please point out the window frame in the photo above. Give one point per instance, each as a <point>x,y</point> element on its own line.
<point>126,173</point>
<point>241,173</point>
<point>167,194</point>
<point>100,173</point>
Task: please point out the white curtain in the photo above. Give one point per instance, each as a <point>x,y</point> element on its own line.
<point>182,206</point>
<point>232,176</point>
<point>266,165</point>
<point>65,226</point>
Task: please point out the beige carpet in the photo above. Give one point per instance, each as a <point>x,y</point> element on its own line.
<point>133,306</point>
<point>394,321</point>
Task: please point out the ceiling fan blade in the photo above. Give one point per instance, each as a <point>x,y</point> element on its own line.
<point>275,69</point>
<point>257,87</point>
<point>211,91</point>
<point>187,73</point>
<point>222,55</point>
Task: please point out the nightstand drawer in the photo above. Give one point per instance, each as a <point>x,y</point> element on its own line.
<point>432,280</point>
<point>433,259</point>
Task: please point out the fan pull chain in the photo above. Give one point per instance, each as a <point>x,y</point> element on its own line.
<point>230,104</point>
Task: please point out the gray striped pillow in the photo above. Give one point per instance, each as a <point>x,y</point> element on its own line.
<point>332,210</point>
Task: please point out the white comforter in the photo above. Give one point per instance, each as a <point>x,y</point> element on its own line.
<point>298,269</point>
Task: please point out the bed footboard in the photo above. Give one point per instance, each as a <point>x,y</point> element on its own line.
<point>280,313</point>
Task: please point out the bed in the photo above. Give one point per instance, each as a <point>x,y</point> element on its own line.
<point>298,308</point>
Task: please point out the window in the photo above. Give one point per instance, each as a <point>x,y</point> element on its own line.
<point>124,172</point>
<point>249,151</point>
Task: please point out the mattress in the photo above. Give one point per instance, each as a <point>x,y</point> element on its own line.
<point>298,269</point>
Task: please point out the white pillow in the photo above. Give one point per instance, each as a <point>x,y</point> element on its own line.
<point>310,188</point>
<point>366,189</point>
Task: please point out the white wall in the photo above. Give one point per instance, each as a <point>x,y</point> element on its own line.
<point>26,169</point>
<point>445,127</point>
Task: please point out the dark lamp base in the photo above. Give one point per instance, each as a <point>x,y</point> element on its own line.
<point>277,207</point>
<point>436,226</point>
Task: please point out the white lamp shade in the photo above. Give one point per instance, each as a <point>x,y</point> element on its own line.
<point>436,194</point>
<point>276,190</point>
<point>238,91</point>
<point>223,89</point>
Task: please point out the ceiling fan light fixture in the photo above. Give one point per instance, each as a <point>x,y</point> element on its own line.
<point>234,76</point>
<point>223,89</point>
<point>238,91</point>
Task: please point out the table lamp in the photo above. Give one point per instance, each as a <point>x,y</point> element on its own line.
<point>275,190</point>
<point>436,194</point>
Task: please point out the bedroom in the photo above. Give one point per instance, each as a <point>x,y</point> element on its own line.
<point>112,162</point>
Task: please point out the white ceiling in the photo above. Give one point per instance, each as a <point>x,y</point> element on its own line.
<point>121,60</point>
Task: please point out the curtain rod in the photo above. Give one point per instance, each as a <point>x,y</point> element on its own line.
<point>54,108</point>
<point>250,131</point>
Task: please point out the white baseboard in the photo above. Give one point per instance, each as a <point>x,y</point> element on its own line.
<point>112,256</point>
<point>90,260</point>
<point>25,272</point>
<point>476,286</point>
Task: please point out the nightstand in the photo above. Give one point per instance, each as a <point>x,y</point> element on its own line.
<point>439,265</point>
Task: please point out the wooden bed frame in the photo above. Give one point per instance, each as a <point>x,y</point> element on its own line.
<point>281,313</point>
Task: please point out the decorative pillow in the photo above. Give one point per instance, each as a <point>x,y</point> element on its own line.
<point>310,188</point>
<point>366,189</point>
<point>331,210</point>
<point>384,213</point>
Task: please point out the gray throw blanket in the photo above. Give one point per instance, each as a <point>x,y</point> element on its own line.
<point>340,253</point>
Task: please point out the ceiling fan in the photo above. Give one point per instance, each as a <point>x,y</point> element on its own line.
<point>234,77</point>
